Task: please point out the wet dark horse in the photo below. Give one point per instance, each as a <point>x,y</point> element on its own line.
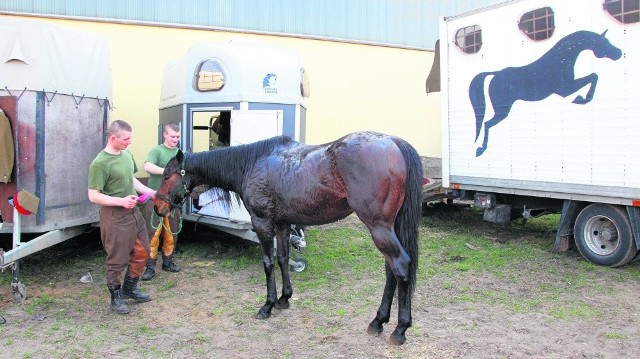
<point>284,182</point>
<point>552,73</point>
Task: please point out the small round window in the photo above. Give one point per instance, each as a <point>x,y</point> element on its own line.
<point>209,76</point>
<point>469,39</point>
<point>537,24</point>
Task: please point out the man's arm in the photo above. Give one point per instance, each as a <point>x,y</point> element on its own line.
<point>140,188</point>
<point>102,199</point>
<point>152,169</point>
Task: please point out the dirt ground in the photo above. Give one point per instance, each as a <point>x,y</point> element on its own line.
<point>207,311</point>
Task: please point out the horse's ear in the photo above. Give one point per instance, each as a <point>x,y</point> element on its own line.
<point>179,156</point>
<point>605,32</point>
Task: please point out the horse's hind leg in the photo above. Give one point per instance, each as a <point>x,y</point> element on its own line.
<point>490,123</point>
<point>397,273</point>
<point>404,315</point>
<point>384,311</point>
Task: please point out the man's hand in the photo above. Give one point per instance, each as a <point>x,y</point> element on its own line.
<point>129,201</point>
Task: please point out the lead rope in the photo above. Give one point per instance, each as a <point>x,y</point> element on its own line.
<point>179,223</point>
<point>161,222</point>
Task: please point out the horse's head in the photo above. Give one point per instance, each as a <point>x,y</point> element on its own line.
<point>603,48</point>
<point>174,188</point>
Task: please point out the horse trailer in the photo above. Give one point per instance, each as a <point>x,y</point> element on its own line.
<point>54,97</point>
<point>540,104</point>
<point>226,94</point>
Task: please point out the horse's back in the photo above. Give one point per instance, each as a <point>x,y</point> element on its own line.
<point>316,184</point>
<point>367,152</point>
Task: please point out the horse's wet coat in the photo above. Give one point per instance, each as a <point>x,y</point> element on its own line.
<point>283,182</point>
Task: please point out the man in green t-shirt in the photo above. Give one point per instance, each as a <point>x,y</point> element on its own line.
<point>161,229</point>
<point>123,231</point>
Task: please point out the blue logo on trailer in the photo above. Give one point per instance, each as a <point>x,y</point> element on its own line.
<point>552,73</point>
<point>269,83</point>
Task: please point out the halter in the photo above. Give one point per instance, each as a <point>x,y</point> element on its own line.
<point>185,191</point>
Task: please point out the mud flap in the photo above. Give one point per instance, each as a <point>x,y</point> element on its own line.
<point>564,236</point>
<point>500,214</point>
<point>634,219</point>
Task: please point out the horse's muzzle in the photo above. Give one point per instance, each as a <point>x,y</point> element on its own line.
<point>161,213</point>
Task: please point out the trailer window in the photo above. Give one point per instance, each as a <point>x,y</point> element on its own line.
<point>209,76</point>
<point>537,24</point>
<point>625,11</point>
<point>469,39</point>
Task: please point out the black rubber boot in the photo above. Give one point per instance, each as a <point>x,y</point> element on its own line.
<point>169,266</point>
<point>130,290</point>
<point>117,301</point>
<point>149,272</point>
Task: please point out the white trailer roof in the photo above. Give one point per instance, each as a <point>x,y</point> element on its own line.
<point>37,56</point>
<point>252,72</point>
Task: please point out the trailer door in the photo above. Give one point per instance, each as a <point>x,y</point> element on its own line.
<point>251,126</point>
<point>247,127</point>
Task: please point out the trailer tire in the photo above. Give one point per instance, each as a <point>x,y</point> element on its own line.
<point>300,265</point>
<point>603,235</point>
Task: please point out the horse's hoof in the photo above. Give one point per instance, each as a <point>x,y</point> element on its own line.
<point>374,329</point>
<point>263,315</point>
<point>580,100</point>
<point>282,304</point>
<point>397,340</point>
<point>479,151</point>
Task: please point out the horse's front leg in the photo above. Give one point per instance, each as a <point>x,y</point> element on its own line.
<point>266,242</point>
<point>282,237</point>
<point>570,86</point>
<point>589,79</point>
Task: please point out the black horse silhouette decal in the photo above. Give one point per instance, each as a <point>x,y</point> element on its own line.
<point>553,73</point>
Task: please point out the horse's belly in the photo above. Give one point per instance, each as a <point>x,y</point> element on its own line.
<point>314,204</point>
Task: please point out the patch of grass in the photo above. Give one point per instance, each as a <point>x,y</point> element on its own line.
<point>201,338</point>
<point>573,311</point>
<point>336,255</point>
<point>326,330</point>
<point>168,285</point>
<point>615,336</point>
<point>41,302</point>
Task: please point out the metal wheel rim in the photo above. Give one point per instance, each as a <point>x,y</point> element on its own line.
<point>601,235</point>
<point>299,266</point>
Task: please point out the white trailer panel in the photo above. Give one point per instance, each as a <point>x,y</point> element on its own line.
<point>547,144</point>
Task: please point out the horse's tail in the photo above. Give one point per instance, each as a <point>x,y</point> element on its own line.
<point>476,95</point>
<point>407,220</point>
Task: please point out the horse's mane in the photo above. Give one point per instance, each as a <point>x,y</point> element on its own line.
<point>225,167</point>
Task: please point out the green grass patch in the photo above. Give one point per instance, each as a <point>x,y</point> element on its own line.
<point>615,336</point>
<point>574,311</point>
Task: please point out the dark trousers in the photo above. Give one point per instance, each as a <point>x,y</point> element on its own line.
<point>124,238</point>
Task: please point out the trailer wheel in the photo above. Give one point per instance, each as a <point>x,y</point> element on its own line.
<point>603,235</point>
<point>299,265</point>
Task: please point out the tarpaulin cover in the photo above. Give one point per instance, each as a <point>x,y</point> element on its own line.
<point>40,56</point>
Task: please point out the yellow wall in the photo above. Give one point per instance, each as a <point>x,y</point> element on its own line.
<point>353,87</point>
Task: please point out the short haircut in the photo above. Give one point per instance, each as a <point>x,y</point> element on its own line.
<point>173,126</point>
<point>117,126</point>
